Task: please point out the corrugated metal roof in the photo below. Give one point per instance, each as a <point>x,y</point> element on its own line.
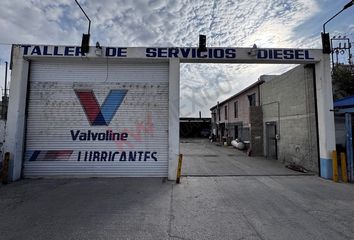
<point>345,102</point>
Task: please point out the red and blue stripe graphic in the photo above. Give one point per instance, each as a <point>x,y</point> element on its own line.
<point>100,115</point>
<point>50,155</point>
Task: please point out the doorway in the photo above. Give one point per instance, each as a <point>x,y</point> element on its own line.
<point>222,131</point>
<point>236,132</point>
<point>271,140</point>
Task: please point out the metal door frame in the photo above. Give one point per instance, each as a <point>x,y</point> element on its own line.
<point>349,145</point>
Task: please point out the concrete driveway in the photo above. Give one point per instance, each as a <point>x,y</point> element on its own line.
<point>292,207</point>
<point>210,207</point>
<point>202,158</point>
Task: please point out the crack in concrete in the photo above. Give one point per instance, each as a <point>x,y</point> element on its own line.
<point>170,213</point>
<point>301,208</point>
<point>171,218</point>
<point>258,234</point>
<point>252,226</point>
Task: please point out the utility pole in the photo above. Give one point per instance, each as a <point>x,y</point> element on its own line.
<point>326,44</point>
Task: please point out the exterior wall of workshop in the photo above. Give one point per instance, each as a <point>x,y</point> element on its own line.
<point>289,101</point>
<point>16,128</point>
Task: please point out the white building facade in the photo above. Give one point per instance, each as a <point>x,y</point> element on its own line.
<point>115,111</point>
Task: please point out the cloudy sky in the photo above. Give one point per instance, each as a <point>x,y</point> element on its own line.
<point>227,23</point>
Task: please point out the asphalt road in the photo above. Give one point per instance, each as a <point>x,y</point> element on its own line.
<point>201,207</point>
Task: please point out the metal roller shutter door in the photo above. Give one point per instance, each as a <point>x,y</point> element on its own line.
<point>91,118</point>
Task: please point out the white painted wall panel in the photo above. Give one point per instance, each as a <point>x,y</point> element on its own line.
<point>58,118</point>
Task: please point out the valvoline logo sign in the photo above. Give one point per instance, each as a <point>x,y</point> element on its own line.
<point>100,115</point>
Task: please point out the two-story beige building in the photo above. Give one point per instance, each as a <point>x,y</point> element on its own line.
<point>233,117</point>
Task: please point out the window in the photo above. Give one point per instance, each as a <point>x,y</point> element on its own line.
<point>219,114</point>
<point>236,109</point>
<point>225,112</point>
<point>252,99</point>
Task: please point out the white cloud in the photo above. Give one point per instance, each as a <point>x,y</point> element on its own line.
<point>170,23</point>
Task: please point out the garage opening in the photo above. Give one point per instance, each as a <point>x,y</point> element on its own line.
<point>261,120</point>
<point>97,117</point>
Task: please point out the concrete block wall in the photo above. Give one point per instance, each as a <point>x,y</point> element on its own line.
<point>289,101</point>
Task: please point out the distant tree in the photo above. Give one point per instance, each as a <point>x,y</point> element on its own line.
<point>343,81</point>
